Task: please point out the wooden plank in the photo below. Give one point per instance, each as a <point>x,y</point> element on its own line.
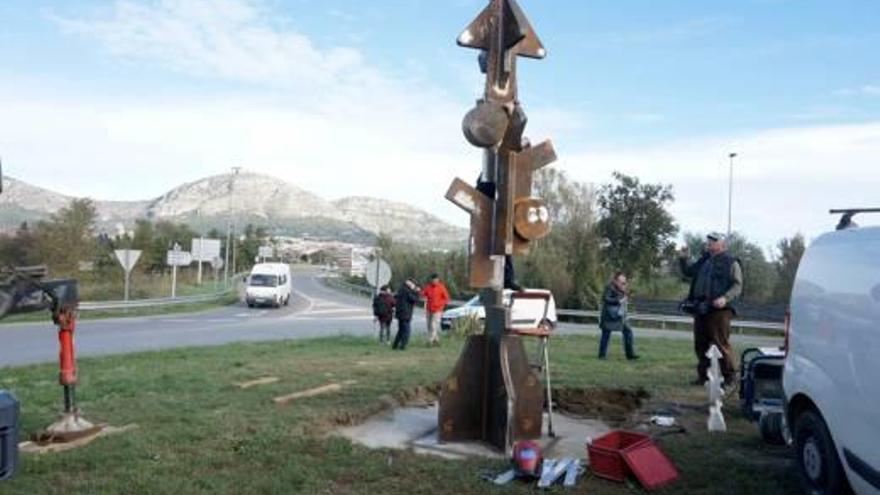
<point>324,389</point>
<point>259,381</point>
<point>34,448</point>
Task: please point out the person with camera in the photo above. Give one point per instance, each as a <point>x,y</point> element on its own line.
<point>406,298</point>
<point>716,282</point>
<point>615,300</point>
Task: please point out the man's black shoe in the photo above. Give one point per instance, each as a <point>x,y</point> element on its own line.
<point>633,357</point>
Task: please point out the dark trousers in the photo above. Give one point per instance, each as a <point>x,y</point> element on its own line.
<point>627,342</point>
<point>714,328</point>
<point>384,331</point>
<point>402,337</point>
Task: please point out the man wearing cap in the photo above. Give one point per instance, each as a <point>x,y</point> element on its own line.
<point>716,283</point>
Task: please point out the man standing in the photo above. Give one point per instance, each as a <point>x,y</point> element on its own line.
<point>383,310</point>
<point>716,282</point>
<point>407,296</point>
<point>613,317</point>
<point>436,297</point>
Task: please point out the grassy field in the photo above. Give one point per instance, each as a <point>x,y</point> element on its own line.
<point>198,433</point>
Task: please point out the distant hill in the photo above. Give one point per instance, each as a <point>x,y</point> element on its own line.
<point>255,198</point>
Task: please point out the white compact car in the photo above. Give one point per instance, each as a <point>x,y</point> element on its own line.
<point>268,284</point>
<point>525,313</point>
<point>832,368</point>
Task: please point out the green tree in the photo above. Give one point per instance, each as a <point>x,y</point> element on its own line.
<point>790,252</point>
<point>68,237</point>
<point>636,223</point>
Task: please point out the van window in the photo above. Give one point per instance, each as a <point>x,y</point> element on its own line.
<point>259,280</point>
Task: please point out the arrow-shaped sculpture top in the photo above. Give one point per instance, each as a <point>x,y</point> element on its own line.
<point>502,45</point>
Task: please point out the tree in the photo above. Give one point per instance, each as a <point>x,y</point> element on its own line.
<point>636,224</point>
<point>68,237</point>
<point>566,261</point>
<point>790,253</point>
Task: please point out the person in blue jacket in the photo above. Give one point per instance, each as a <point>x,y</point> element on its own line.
<point>613,316</point>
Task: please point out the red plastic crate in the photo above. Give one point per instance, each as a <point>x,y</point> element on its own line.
<point>605,452</point>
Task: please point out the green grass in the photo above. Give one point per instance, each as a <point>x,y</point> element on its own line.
<point>200,434</point>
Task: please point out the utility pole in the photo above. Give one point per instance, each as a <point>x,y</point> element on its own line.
<point>730,197</point>
<point>229,226</point>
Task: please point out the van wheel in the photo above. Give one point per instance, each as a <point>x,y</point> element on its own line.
<point>818,465</point>
<point>545,325</point>
<point>771,428</point>
<point>287,301</point>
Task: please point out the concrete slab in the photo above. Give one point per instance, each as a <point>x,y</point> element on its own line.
<point>416,428</point>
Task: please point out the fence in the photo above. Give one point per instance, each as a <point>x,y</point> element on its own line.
<point>663,321</point>
<point>87,306</point>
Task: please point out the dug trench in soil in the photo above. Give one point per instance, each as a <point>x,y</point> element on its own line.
<point>614,406</point>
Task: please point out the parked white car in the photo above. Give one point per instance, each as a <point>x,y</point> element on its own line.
<point>832,369</point>
<point>525,313</point>
<point>268,284</point>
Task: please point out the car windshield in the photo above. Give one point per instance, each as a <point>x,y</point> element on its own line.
<point>475,301</point>
<point>264,281</point>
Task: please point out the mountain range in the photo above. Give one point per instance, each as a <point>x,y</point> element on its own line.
<point>258,199</point>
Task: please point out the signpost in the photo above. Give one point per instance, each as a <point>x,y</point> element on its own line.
<point>378,273</point>
<point>176,258</point>
<point>217,265</point>
<point>204,251</point>
<point>127,258</point>
<point>266,252</point>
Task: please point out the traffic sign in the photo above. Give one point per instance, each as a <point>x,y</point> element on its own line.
<point>205,249</point>
<point>378,272</point>
<point>217,263</point>
<point>179,258</point>
<point>127,258</point>
<point>266,252</point>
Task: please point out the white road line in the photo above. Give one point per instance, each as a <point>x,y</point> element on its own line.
<point>337,310</point>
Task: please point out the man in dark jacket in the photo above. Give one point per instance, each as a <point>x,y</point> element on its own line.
<point>613,317</point>
<point>407,296</point>
<point>716,283</point>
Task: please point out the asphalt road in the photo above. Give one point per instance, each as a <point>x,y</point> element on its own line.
<point>314,311</point>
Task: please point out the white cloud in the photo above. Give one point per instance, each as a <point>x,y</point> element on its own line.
<point>785,180</point>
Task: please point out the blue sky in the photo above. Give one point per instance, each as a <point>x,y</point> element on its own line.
<point>133,98</point>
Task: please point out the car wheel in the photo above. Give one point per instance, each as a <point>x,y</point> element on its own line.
<point>818,465</point>
<point>250,305</point>
<point>770,426</point>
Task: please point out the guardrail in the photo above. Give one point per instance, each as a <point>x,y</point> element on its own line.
<point>159,301</point>
<point>664,321</point>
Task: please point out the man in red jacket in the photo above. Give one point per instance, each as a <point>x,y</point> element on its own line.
<point>436,297</point>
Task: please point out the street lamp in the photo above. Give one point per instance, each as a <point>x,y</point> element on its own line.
<point>730,195</point>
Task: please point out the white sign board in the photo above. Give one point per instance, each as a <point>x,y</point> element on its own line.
<point>179,258</point>
<point>127,258</point>
<point>266,252</point>
<point>205,249</point>
<point>378,273</point>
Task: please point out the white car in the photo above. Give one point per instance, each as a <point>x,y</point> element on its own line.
<point>832,367</point>
<point>525,313</point>
<point>268,284</point>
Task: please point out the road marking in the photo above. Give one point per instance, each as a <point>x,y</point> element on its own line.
<point>337,310</point>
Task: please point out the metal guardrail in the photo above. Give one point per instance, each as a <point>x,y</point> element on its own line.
<point>663,321</point>
<point>158,302</point>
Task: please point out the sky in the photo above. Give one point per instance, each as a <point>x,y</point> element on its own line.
<point>124,99</point>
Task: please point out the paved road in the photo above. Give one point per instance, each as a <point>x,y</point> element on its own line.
<point>315,311</point>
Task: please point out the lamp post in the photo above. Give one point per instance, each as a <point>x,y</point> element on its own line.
<point>730,195</point>
<point>230,227</point>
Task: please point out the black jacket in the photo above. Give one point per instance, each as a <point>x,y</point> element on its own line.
<point>406,298</point>
<point>610,319</point>
<point>719,279</point>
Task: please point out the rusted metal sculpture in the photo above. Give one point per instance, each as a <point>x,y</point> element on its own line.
<point>492,394</point>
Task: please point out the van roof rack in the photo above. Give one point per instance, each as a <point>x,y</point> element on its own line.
<point>846,220</point>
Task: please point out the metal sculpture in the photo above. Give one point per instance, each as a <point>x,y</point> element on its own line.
<point>492,394</point>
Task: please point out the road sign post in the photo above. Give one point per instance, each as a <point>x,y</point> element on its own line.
<point>176,258</point>
<point>378,273</point>
<point>204,251</point>
<point>127,258</point>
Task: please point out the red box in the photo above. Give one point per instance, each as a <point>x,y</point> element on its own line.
<point>606,459</point>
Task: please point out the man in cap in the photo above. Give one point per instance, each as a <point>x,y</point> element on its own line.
<point>716,283</point>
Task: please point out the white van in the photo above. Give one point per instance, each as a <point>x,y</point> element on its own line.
<point>268,284</point>
<point>832,367</point>
<point>524,313</point>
